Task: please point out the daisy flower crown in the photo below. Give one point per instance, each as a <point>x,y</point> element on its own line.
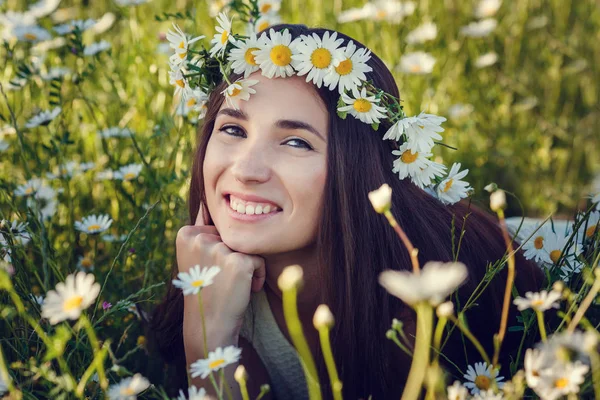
<point>325,61</point>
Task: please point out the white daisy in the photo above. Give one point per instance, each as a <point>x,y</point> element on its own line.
<point>263,23</point>
<point>539,301</point>
<point>70,297</point>
<point>487,8</point>
<point>240,89</point>
<point>480,378</point>
<point>457,391</point>
<point>350,72</point>
<point>112,238</point>
<point>409,163</point>
<point>275,56</point>
<point>125,3</point>
<point>242,56</point>
<point>486,60</point>
<point>196,101</point>
<point>193,394</point>
<point>39,300</point>
<point>560,380</point>
<point>107,174</point>
<point>17,230</point>
<point>363,107</point>
<point>556,242</point>
<point>534,248</point>
<point>417,62</point>
<point>220,358</point>
<point>115,131</point>
<point>452,188</point>
<point>426,176</point>
<point>28,188</point>
<point>195,279</point>
<point>128,172</point>
<point>269,6</point>
<point>480,28</point>
<point>422,33</point>
<point>85,263</point>
<point>31,33</point>
<point>536,361</point>
<point>488,395</point>
<point>420,131</point>
<point>460,110</point>
<point>93,224</point>
<point>38,196</point>
<point>43,8</point>
<point>357,13</point>
<point>223,35</point>
<point>180,43</point>
<point>4,145</point>
<point>43,118</point>
<point>79,24</point>
<point>181,84</point>
<point>128,388</point>
<point>381,199</point>
<point>433,284</point>
<point>571,267</point>
<point>589,228</point>
<point>392,11</point>
<point>55,73</point>
<point>96,48</point>
<point>316,56</point>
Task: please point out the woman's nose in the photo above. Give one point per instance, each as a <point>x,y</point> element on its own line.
<point>251,164</point>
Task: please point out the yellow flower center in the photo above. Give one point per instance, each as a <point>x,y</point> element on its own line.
<point>537,303</point>
<point>29,190</point>
<point>409,157</point>
<point>381,14</point>
<point>191,102</point>
<point>263,25</point>
<point>141,340</point>
<point>30,36</point>
<point>345,67</point>
<point>180,83</point>
<point>93,227</point>
<point>215,364</point>
<point>561,383</point>
<point>362,105</point>
<point>555,255</point>
<point>224,37</point>
<point>198,283</point>
<point>482,382</point>
<point>249,57</point>
<point>86,262</point>
<point>415,68</point>
<point>448,185</point>
<point>538,243</point>
<point>235,92</point>
<point>281,55</point>
<point>320,58</point>
<point>590,231</point>
<point>128,391</point>
<point>265,8</point>
<point>181,45</point>
<point>73,303</point>
<point>129,176</point>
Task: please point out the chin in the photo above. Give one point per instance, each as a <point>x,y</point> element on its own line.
<point>239,245</point>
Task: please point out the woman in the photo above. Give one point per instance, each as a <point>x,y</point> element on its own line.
<point>286,151</point>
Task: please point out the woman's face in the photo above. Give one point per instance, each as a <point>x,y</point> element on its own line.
<point>268,155</point>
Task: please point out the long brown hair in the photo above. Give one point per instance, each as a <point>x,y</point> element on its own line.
<point>356,245</point>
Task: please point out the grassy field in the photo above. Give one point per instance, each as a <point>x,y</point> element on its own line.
<point>526,118</point>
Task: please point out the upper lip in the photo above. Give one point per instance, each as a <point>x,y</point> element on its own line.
<point>251,197</point>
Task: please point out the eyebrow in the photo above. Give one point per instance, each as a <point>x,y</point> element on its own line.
<point>281,123</point>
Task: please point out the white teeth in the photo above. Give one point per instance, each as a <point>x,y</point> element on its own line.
<point>251,209</point>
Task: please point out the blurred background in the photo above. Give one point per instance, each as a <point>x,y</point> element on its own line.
<point>518,82</point>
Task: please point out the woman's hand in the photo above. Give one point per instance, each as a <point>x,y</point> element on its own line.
<point>224,301</point>
<point>228,297</point>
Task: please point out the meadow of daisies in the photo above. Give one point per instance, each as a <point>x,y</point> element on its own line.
<point>95,155</point>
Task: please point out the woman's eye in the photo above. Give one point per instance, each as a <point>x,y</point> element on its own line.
<point>235,128</point>
<point>231,131</point>
<point>302,144</point>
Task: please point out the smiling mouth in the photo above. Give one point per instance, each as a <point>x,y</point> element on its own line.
<point>250,208</point>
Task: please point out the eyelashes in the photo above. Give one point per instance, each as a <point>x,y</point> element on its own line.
<point>226,129</point>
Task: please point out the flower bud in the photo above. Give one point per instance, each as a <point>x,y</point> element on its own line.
<point>445,310</point>
<point>291,277</point>
<point>240,374</point>
<point>492,187</point>
<point>323,317</point>
<point>381,199</point>
<point>498,200</point>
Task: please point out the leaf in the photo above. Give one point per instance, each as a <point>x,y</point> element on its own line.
<point>517,328</point>
<point>59,341</point>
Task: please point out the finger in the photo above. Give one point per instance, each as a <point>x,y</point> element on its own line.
<point>259,276</point>
<point>202,216</point>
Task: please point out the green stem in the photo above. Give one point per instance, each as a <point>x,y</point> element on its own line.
<point>420,361</point>
<point>294,326</point>
<point>472,338</point>
<point>437,338</point>
<point>96,346</point>
<point>203,324</point>
<point>541,324</point>
<point>336,384</point>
